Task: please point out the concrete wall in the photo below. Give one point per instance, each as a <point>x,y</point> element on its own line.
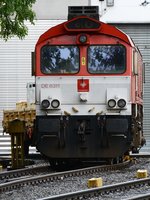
<point>56,9</point>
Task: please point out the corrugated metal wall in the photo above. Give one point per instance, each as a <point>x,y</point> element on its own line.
<point>15,65</point>
<point>140,33</point>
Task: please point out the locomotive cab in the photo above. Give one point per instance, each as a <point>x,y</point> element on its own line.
<point>88,82</point>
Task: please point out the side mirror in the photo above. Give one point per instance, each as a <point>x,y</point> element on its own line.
<point>33,63</point>
<point>135,62</point>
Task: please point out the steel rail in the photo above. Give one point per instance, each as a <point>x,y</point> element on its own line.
<point>95,192</point>
<point>22,172</point>
<point>139,197</point>
<point>58,176</point>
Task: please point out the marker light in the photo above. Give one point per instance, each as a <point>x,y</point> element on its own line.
<point>111,103</point>
<point>121,103</point>
<point>45,103</point>
<point>55,103</point>
<point>83,39</point>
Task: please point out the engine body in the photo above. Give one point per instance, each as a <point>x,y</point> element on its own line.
<point>89,91</point>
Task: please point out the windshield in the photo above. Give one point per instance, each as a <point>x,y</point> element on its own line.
<point>59,59</point>
<point>104,59</point>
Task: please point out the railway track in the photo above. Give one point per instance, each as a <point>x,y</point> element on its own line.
<point>140,197</point>
<point>101,193</point>
<point>9,176</point>
<point>4,187</point>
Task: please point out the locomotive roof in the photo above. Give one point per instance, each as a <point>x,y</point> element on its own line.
<point>105,29</point>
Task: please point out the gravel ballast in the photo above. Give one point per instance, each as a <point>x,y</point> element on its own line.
<point>80,183</point>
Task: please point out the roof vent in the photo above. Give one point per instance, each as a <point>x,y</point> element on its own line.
<point>90,11</point>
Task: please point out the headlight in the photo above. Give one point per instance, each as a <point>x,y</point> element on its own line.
<point>83,39</point>
<point>121,103</point>
<point>45,103</point>
<point>55,103</point>
<point>111,103</point>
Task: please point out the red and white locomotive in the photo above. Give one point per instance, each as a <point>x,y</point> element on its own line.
<point>89,90</point>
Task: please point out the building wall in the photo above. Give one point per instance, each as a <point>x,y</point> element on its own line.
<point>56,9</point>
<point>15,64</point>
<point>141,37</point>
<point>15,55</point>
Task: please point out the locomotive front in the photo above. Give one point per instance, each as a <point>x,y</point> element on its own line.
<point>88,90</point>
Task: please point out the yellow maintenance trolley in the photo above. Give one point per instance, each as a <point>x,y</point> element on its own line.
<point>19,124</point>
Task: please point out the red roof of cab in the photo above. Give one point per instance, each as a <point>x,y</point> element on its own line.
<point>105,29</point>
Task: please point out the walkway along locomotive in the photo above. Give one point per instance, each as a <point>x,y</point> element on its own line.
<point>89,90</point>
